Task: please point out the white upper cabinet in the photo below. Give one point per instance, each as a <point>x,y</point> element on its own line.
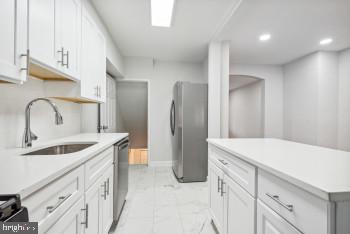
<point>42,33</point>
<point>69,33</point>
<point>14,40</point>
<point>55,35</point>
<point>93,84</point>
<point>80,51</point>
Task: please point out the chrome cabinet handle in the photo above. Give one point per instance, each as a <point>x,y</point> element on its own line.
<point>107,191</point>
<point>27,55</point>
<point>86,216</point>
<point>61,51</point>
<point>219,184</point>
<point>61,199</point>
<point>222,187</point>
<point>104,190</point>
<point>223,161</point>
<point>96,91</point>
<point>67,58</point>
<point>276,198</point>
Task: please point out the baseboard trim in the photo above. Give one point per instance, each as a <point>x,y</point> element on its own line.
<point>160,163</point>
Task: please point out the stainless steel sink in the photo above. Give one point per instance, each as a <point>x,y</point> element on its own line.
<point>62,149</point>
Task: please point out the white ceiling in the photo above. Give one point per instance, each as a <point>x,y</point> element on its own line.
<point>238,81</point>
<point>195,23</point>
<point>296,27</point>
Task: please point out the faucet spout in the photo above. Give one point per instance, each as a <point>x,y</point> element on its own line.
<point>28,135</point>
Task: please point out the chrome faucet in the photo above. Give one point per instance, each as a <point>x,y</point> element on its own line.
<point>29,136</point>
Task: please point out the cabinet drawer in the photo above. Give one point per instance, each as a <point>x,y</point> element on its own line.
<point>240,171</point>
<point>95,167</point>
<point>269,221</point>
<point>49,203</point>
<point>305,211</point>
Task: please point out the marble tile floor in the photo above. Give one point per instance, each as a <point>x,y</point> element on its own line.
<point>157,203</point>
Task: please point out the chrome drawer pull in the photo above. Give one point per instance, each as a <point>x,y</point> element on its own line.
<point>61,199</point>
<point>219,184</point>
<point>61,51</point>
<point>277,199</point>
<point>86,223</point>
<point>222,187</point>
<point>27,61</point>
<point>223,161</point>
<point>104,190</point>
<point>67,57</point>
<point>107,187</point>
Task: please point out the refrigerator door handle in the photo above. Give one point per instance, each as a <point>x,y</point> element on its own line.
<point>172,118</point>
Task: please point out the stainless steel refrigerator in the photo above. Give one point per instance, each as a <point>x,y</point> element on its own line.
<point>189,131</point>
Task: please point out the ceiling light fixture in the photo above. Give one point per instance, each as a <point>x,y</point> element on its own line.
<point>162,12</point>
<point>326,41</point>
<point>265,37</point>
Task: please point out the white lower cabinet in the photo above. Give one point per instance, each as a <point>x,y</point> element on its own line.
<point>107,203</point>
<point>92,209</point>
<point>269,222</point>
<point>231,207</point>
<point>245,199</point>
<point>99,205</point>
<point>216,199</point>
<point>68,205</point>
<point>70,222</point>
<point>239,209</point>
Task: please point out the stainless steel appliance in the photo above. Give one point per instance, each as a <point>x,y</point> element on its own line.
<point>189,130</point>
<point>11,209</point>
<point>121,176</point>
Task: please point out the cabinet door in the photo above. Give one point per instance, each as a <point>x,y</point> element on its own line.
<point>89,86</point>
<point>93,204</point>
<point>69,35</point>
<point>14,40</point>
<point>42,33</point>
<point>101,67</point>
<point>107,207</point>
<point>269,222</point>
<point>70,222</point>
<point>239,208</point>
<point>216,197</point>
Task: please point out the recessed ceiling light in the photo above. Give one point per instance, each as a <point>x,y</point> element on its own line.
<point>162,12</point>
<point>265,37</point>
<point>326,41</point>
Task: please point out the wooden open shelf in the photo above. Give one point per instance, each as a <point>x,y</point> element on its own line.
<point>45,73</point>
<point>71,99</point>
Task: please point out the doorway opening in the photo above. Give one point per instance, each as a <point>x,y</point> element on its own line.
<point>246,107</point>
<point>132,117</point>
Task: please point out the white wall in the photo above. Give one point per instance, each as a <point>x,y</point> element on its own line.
<point>162,76</point>
<point>218,89</point>
<point>311,99</point>
<point>13,100</point>
<point>273,94</point>
<point>344,101</point>
<point>246,111</point>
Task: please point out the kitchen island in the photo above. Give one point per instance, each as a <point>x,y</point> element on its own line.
<point>278,186</point>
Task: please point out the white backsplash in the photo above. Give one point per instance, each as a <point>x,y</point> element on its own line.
<point>13,100</point>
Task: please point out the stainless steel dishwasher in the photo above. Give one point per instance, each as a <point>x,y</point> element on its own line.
<point>121,176</point>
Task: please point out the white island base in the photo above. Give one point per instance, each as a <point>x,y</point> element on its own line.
<point>271,186</point>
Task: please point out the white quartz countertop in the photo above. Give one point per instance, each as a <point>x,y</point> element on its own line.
<point>25,174</point>
<point>322,171</point>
